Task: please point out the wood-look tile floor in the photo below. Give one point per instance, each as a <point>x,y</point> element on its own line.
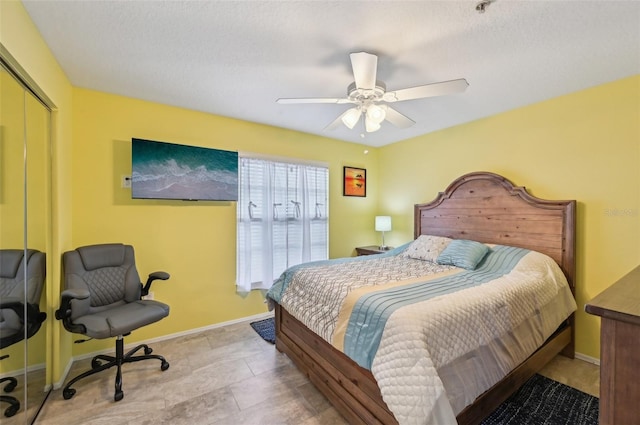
<point>223,376</point>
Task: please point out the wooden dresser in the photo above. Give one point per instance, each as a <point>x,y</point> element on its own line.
<point>619,308</point>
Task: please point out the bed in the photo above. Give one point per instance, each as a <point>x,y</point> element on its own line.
<point>481,207</point>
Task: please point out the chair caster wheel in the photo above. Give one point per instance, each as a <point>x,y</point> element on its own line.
<point>12,410</point>
<point>164,366</point>
<point>118,395</point>
<point>67,393</point>
<point>95,363</point>
<point>148,350</point>
<point>10,387</point>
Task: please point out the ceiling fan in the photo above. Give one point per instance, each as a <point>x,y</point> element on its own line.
<point>370,96</point>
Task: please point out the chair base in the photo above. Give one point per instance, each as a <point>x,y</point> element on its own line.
<point>14,405</point>
<point>12,383</point>
<point>118,360</point>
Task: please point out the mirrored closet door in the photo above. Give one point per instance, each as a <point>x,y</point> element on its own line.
<point>25,125</point>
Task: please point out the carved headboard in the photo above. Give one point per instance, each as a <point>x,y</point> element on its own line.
<point>487,207</point>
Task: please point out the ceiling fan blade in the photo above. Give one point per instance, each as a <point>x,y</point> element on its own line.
<point>398,119</point>
<point>364,69</point>
<point>428,90</point>
<point>313,100</point>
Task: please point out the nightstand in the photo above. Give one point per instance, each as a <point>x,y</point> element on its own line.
<point>371,249</point>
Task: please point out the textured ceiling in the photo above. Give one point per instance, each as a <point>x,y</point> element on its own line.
<point>235,58</point>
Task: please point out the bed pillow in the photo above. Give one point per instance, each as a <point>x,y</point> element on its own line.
<point>427,248</point>
<point>463,253</point>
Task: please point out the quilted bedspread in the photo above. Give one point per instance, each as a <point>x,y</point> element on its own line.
<point>434,337</point>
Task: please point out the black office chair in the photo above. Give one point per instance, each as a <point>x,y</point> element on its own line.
<point>103,299</point>
<point>18,320</point>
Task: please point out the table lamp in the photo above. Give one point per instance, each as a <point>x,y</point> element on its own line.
<point>383,224</point>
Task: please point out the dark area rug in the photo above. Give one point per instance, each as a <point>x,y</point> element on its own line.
<point>266,329</point>
<point>540,401</point>
<point>543,401</point>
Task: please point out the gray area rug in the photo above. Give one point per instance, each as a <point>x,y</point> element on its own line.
<point>543,401</point>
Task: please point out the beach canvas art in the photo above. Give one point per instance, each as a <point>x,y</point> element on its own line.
<point>171,171</point>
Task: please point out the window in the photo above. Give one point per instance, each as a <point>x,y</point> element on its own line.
<point>282,219</point>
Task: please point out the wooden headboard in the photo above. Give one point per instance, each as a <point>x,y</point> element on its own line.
<point>487,207</point>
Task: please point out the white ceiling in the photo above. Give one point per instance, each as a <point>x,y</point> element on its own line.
<point>235,58</point>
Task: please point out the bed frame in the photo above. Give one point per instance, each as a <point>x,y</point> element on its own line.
<point>480,206</point>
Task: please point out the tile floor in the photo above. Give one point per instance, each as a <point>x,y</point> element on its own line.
<point>224,376</point>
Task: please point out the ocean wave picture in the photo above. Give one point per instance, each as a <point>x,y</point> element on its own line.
<point>170,171</point>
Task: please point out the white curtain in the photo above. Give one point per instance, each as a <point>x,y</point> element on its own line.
<point>282,219</point>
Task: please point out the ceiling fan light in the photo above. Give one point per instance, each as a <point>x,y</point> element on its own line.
<point>376,113</point>
<point>371,125</point>
<point>351,117</point>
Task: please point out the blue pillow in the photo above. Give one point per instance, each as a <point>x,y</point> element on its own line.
<point>463,253</point>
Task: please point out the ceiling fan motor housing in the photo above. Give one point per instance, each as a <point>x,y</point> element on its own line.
<point>362,95</point>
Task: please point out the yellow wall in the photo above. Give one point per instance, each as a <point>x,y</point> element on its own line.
<point>583,146</point>
<point>193,241</point>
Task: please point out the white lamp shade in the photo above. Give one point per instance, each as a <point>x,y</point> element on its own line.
<point>376,113</point>
<point>351,117</point>
<point>383,223</point>
<point>371,126</point>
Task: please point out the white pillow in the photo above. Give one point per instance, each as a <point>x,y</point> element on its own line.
<point>427,248</point>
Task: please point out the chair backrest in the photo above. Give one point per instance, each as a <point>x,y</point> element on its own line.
<point>13,289</point>
<point>107,271</point>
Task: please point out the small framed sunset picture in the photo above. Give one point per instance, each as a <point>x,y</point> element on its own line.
<point>355,182</point>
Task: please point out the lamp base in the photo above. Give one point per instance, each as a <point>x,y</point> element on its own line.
<point>383,248</point>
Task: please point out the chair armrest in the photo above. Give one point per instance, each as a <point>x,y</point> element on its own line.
<point>153,276</point>
<point>67,296</point>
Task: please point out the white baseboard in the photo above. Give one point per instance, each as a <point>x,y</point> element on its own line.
<point>59,384</point>
<point>587,359</point>
<point>20,371</point>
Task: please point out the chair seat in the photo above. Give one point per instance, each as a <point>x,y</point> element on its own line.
<point>122,319</point>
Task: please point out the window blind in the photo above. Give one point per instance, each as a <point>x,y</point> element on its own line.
<point>282,219</point>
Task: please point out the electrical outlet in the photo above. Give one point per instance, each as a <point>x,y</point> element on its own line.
<point>149,296</point>
<point>126,182</point>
